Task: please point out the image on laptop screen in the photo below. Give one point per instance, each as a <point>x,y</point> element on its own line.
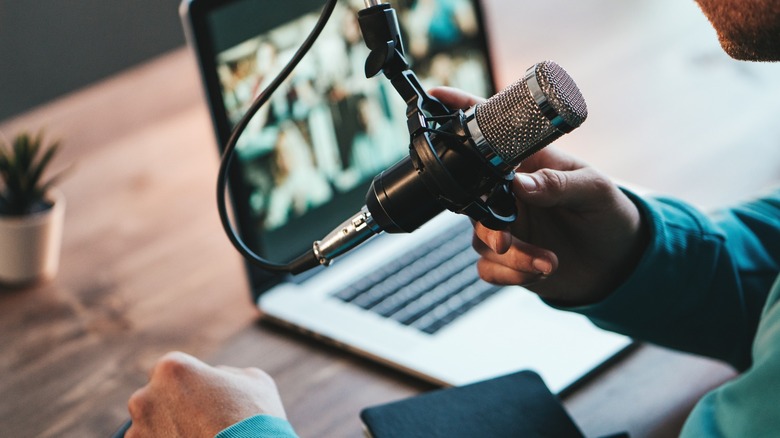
<point>307,157</point>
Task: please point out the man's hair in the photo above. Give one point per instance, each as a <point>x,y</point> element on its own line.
<point>747,29</point>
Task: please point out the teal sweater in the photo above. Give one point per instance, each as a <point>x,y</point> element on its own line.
<point>706,285</point>
<point>710,286</point>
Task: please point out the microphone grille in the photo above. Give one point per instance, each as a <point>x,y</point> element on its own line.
<point>531,113</point>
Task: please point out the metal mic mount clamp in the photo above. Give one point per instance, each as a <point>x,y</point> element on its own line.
<point>381,33</point>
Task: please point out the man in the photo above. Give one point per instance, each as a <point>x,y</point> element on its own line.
<point>655,269</point>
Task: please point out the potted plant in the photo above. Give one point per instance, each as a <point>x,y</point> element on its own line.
<point>31,211</point>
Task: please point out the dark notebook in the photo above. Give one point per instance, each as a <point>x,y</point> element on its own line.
<point>515,405</point>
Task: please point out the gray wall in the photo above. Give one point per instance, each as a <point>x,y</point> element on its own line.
<point>50,47</point>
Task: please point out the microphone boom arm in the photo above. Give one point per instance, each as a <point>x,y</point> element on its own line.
<point>381,33</point>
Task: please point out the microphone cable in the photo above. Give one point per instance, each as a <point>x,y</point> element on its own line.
<point>305,261</point>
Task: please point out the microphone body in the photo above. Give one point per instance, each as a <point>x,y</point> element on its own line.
<point>466,165</point>
<point>478,149</point>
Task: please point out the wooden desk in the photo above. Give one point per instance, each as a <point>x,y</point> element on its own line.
<point>146,268</point>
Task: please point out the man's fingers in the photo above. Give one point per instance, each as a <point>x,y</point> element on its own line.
<point>455,98</point>
<point>500,274</point>
<point>135,405</point>
<point>553,158</point>
<point>140,410</point>
<point>521,257</point>
<point>176,365</point>
<point>581,188</point>
<point>497,241</point>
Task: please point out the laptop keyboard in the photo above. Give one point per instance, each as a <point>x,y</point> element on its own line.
<point>429,287</point>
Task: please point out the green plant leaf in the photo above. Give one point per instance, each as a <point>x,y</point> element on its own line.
<point>15,178</point>
<point>22,153</point>
<point>37,169</point>
<point>23,165</point>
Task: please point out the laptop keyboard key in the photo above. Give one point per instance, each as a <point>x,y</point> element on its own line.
<point>456,306</point>
<point>427,288</point>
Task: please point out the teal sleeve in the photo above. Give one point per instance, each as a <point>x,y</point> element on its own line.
<point>747,405</point>
<point>259,426</point>
<point>703,281</point>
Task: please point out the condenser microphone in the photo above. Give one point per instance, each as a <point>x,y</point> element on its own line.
<point>466,164</point>
<point>526,116</point>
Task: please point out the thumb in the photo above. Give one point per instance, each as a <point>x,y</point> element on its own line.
<point>559,188</point>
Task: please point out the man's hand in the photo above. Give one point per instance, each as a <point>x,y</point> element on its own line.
<point>577,236</point>
<point>188,398</point>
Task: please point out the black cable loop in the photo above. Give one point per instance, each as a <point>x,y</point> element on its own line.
<point>227,155</point>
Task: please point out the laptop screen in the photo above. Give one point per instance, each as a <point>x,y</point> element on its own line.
<point>305,161</point>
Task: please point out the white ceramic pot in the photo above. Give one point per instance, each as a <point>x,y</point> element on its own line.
<point>30,245</point>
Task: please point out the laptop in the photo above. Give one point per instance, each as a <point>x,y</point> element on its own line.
<point>303,165</point>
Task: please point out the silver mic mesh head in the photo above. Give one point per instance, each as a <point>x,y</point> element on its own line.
<point>531,113</point>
